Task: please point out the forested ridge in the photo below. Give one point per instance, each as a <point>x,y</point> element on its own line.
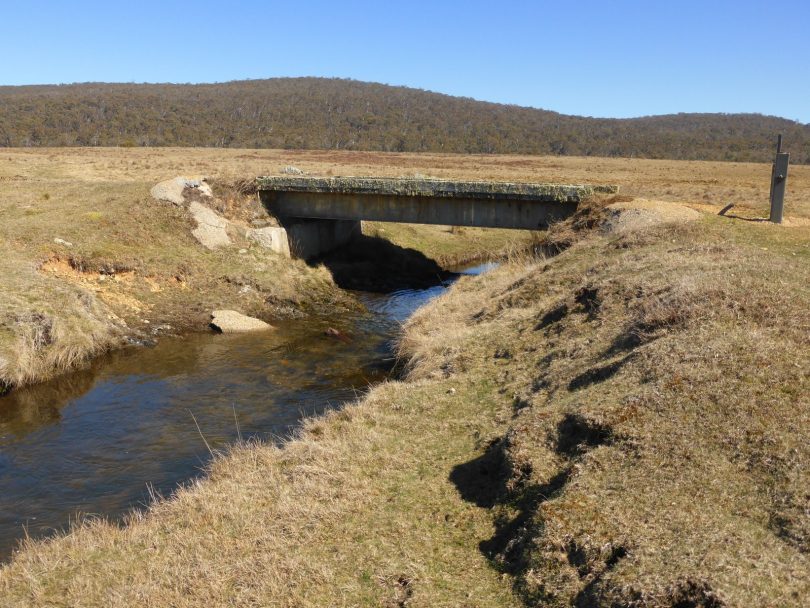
<point>320,113</point>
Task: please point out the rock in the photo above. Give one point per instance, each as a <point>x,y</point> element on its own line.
<point>181,190</point>
<point>161,329</point>
<point>212,230</point>
<point>230,321</point>
<point>141,341</point>
<point>338,335</point>
<point>270,237</point>
<point>59,241</point>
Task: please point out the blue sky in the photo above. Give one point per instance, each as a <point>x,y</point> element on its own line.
<point>606,58</point>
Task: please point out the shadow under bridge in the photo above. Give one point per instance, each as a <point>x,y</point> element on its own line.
<point>322,213</point>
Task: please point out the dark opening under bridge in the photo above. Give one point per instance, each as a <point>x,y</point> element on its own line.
<point>321,213</point>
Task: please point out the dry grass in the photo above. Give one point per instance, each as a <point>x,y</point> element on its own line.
<point>359,511</point>
<point>625,424</point>
<point>132,267</point>
<point>452,246</point>
<point>715,184</point>
<point>658,453</point>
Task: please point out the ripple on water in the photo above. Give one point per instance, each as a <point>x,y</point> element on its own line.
<point>92,441</point>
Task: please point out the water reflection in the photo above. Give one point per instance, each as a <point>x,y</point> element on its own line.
<point>25,411</point>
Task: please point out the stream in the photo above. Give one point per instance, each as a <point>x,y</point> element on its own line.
<point>97,441</point>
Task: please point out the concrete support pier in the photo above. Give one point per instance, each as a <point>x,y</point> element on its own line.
<point>321,213</point>
<point>310,238</point>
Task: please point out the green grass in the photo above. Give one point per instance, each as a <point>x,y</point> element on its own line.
<point>452,245</point>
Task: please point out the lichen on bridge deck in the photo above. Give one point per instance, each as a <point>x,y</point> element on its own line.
<point>435,188</point>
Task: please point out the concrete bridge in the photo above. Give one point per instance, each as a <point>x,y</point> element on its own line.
<point>321,213</point>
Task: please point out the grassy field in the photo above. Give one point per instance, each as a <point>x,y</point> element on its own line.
<point>626,423</point>
<point>693,182</point>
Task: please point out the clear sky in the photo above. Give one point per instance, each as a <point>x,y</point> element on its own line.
<point>620,58</point>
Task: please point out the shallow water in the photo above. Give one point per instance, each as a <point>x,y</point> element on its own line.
<point>95,441</point>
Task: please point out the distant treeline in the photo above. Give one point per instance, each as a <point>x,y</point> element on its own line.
<point>318,113</point>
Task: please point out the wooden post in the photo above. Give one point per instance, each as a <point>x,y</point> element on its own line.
<point>779,182</point>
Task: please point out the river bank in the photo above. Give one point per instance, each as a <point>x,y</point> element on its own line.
<point>140,421</point>
<point>92,262</point>
<point>623,424</point>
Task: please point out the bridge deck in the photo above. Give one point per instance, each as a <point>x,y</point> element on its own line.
<point>423,201</point>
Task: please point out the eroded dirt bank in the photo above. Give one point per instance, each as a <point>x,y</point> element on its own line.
<point>625,424</point>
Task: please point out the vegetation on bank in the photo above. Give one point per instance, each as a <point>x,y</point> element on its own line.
<point>320,113</point>
<point>90,265</point>
<point>625,423</point>
<point>132,260</point>
<point>92,262</point>
<point>657,453</point>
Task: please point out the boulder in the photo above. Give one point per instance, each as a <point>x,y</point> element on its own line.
<point>230,321</point>
<point>211,230</point>
<point>181,190</point>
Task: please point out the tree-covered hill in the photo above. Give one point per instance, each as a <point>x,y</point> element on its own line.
<point>346,114</point>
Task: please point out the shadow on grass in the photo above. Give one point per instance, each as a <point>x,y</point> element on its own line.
<point>483,482</point>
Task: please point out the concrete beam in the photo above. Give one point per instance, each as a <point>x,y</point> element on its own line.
<point>434,188</point>
<point>420,201</point>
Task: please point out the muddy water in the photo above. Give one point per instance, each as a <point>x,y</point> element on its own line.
<point>94,442</point>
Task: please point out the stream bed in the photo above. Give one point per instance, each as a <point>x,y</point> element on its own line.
<point>97,441</point>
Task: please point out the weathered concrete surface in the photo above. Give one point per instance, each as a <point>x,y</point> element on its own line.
<point>273,238</point>
<point>423,201</point>
<point>311,238</point>
<point>434,188</point>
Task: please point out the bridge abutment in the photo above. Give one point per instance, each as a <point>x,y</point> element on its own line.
<point>309,238</point>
